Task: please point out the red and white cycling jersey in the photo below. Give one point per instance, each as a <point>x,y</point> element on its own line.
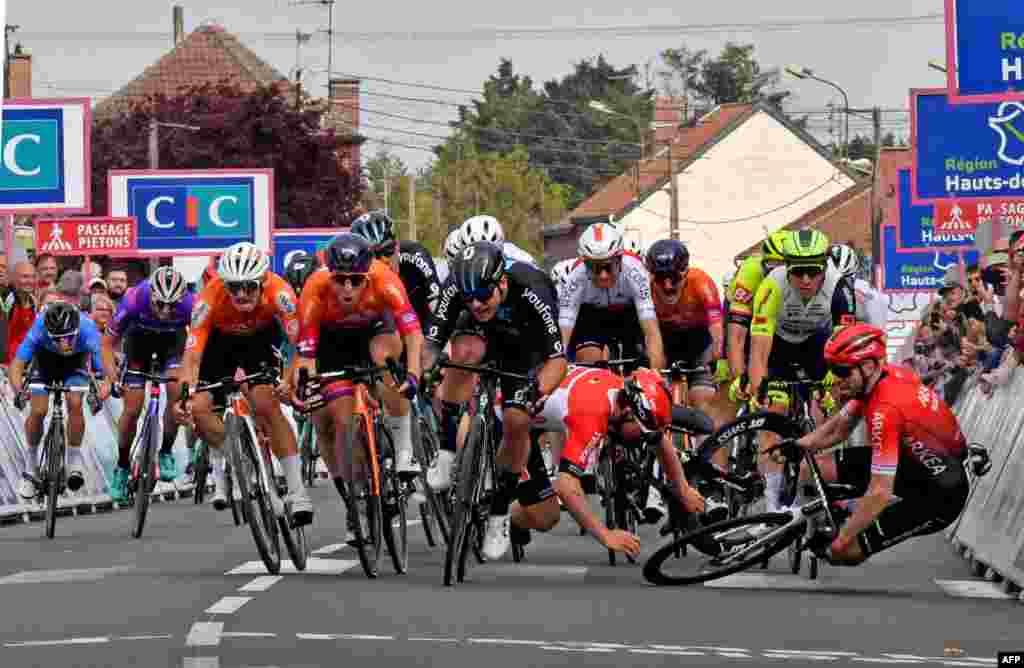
<point>906,419</point>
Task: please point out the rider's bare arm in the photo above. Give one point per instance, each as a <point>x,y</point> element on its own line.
<point>653,343</point>
<point>834,430</point>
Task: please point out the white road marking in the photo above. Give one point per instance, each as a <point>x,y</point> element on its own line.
<point>507,641</point>
<point>201,662</point>
<point>228,605</point>
<point>164,636</point>
<point>261,583</point>
<point>712,648</point>
<point>816,652</point>
<point>509,570</point>
<point>434,639</point>
<point>803,657</point>
<point>341,636</point>
<point>65,575</point>
<point>247,634</point>
<point>666,652</point>
<point>972,589</point>
<point>893,655</point>
<point>559,648</point>
<point>204,634</point>
<point>869,659</point>
<point>98,640</point>
<point>734,655</point>
<point>313,567</point>
<point>329,549</point>
<point>765,581</point>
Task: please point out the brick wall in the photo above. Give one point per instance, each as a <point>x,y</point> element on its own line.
<point>344,115</point>
<point>21,75</point>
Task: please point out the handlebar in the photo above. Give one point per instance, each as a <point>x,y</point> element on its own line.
<point>151,376</point>
<point>309,385</point>
<point>228,383</point>
<point>607,364</point>
<point>677,370</point>
<point>57,387</point>
<point>487,370</point>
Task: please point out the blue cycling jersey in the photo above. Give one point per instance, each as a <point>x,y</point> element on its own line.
<point>37,339</point>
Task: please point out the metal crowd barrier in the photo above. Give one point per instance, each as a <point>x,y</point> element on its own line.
<point>990,531</point>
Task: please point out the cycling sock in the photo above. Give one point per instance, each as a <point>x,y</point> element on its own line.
<point>292,467</point>
<point>450,414</point>
<point>772,491</point>
<point>507,484</point>
<point>33,459</point>
<point>401,432</point>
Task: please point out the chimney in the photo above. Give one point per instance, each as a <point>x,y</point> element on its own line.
<point>343,95</point>
<point>178,13</point>
<point>20,73</point>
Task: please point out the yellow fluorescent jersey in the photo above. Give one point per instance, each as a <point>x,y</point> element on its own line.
<point>779,308</point>
<point>741,290</point>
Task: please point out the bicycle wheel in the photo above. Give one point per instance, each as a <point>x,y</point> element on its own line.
<point>467,493</point>
<point>609,497</point>
<point>237,513</point>
<point>742,542</point>
<point>54,482</point>
<point>294,537</point>
<point>394,502</point>
<point>364,490</point>
<point>425,449</point>
<point>306,443</point>
<point>144,476</point>
<point>261,523</point>
<point>202,471</point>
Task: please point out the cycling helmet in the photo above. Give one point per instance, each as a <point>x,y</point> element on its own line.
<point>478,268</point>
<point>772,246</point>
<point>167,285</point>
<point>806,248</point>
<point>560,272</point>
<point>243,262</point>
<point>600,241</point>
<point>349,254</point>
<point>482,228</point>
<point>454,244</point>
<point>633,246</point>
<point>854,344</point>
<point>376,228</point>
<point>298,270</point>
<point>61,319</point>
<point>667,255</point>
<point>844,259</point>
<point>647,395</point>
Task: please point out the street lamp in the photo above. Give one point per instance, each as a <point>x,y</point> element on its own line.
<point>597,105</point>
<point>806,73</point>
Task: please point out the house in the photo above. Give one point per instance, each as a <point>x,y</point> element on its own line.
<point>741,171</point>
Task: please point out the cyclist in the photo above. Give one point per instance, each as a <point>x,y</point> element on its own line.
<point>872,306</point>
<point>235,325</point>
<point>607,299</point>
<point>588,405</point>
<point>59,342</point>
<point>354,313</point>
<point>560,273</point>
<point>299,269</point>
<point>912,477</point>
<point>795,309</point>
<point>739,296</point>
<point>487,228</point>
<point>506,314</point>
<point>152,318</point>
<point>410,260</point>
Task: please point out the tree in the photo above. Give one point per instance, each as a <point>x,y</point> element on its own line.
<point>237,130</point>
<point>384,171</point>
<point>734,76</point>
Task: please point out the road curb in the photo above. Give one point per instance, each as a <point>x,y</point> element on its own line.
<point>86,505</point>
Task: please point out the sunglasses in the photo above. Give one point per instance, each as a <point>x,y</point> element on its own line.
<point>842,371</point>
<point>672,277</point>
<point>355,280</point>
<point>236,287</point>
<point>386,250</point>
<point>481,294</point>
<point>163,307</point>
<point>65,341</point>
<point>599,267</point>
<point>806,272</point>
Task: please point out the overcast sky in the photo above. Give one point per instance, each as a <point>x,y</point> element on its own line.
<point>93,48</point>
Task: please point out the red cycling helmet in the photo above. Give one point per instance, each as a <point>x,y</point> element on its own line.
<point>647,394</point>
<point>854,344</point>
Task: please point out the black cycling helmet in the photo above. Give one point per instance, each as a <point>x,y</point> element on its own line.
<point>376,228</point>
<point>61,319</point>
<point>298,270</point>
<point>349,254</point>
<point>667,255</point>
<point>478,269</point>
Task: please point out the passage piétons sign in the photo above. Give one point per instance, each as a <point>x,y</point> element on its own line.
<point>87,236</point>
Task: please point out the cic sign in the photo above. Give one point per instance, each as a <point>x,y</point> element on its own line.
<point>195,212</point>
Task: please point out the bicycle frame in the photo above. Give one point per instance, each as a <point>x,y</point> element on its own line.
<point>238,406</point>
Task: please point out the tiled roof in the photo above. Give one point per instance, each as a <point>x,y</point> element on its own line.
<point>618,193</point>
<point>210,54</point>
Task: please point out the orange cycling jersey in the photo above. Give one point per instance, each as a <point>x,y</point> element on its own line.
<point>383,295</point>
<point>698,306</point>
<point>214,311</point>
<point>906,419</point>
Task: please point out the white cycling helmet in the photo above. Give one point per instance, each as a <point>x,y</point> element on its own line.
<point>167,285</point>
<point>482,228</point>
<point>243,262</point>
<point>560,272</point>
<point>600,241</point>
<point>845,259</point>
<point>454,244</point>
<point>633,246</point>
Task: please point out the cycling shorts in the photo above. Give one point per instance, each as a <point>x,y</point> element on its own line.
<point>49,367</point>
<point>534,483</point>
<point>140,345</point>
<point>931,491</point>
<point>507,349</point>
<point>226,353</point>
<point>341,347</point>
<point>809,355</point>
<point>691,348</point>
<point>602,326</point>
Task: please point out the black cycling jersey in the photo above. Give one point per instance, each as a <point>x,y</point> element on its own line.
<point>419,275</point>
<point>528,315</point>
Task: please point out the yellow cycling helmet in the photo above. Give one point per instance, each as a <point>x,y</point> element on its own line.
<point>771,247</point>
<point>806,248</point>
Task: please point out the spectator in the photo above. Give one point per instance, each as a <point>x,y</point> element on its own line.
<point>117,284</point>
<point>50,295</point>
<point>102,310</point>
<point>46,270</point>
<point>98,285</point>
<point>1015,285</point>
<point>70,286</point>
<point>22,310</point>
<point>3,272</point>
<point>981,299</point>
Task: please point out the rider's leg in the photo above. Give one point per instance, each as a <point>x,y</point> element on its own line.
<point>267,410</point>
<point>399,416</point>
<point>455,390</point>
<point>168,469</point>
<point>510,461</point>
<point>76,431</point>
<point>331,428</point>
<point>210,427</point>
<point>128,423</point>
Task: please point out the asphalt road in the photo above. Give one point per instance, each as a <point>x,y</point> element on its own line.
<point>192,593</point>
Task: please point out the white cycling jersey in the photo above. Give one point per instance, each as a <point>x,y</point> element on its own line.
<point>633,287</point>
<point>514,253</point>
<point>872,305</point>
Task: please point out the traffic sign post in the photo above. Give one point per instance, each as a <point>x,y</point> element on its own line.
<point>984,51</point>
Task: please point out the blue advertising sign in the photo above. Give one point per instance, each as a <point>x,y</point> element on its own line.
<point>966,151</point>
<point>985,50</point>
<point>915,272</point>
<point>917,225</point>
<point>44,148</point>
<point>195,212</point>
<point>287,246</point>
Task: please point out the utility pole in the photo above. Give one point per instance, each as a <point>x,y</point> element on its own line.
<point>300,39</point>
<point>329,30</point>
<point>412,207</point>
<point>876,243</point>
<point>673,193</point>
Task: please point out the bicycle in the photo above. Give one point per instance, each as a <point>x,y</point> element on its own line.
<point>308,450</point>
<point>202,468</point>
<point>144,472</point>
<point>739,543</point>
<point>435,511</point>
<point>268,516</point>
<point>374,490</point>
